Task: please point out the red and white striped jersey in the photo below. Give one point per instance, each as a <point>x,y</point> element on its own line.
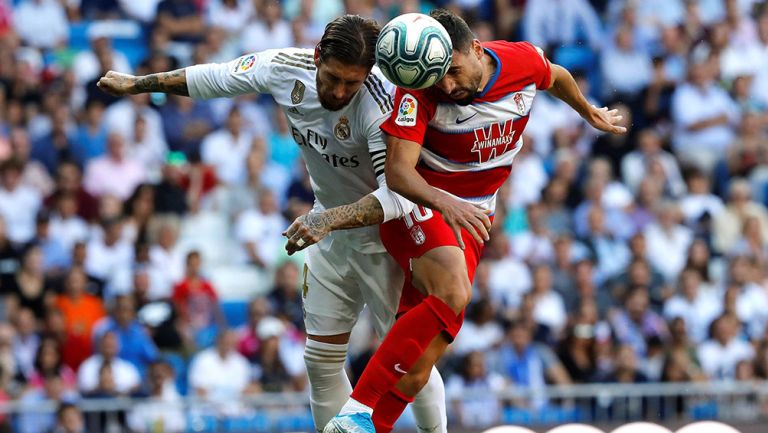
<point>468,150</point>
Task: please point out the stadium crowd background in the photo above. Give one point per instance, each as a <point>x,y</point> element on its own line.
<point>140,240</point>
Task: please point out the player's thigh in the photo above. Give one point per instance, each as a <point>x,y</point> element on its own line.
<point>380,281</point>
<point>332,300</point>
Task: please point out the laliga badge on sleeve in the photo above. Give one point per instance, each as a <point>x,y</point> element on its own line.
<point>406,113</point>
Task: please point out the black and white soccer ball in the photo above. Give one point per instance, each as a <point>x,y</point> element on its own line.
<point>414,51</point>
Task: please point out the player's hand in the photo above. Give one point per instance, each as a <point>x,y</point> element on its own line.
<point>118,84</point>
<point>304,231</point>
<point>462,215</point>
<point>606,120</point>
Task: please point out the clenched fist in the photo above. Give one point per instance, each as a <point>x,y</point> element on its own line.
<point>118,84</point>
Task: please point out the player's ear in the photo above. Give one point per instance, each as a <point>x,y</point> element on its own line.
<point>317,55</point>
<point>477,48</point>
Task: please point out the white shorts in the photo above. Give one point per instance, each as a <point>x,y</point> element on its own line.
<point>339,281</point>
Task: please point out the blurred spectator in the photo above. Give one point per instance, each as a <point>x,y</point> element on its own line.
<point>549,308</point>
<point>270,30</point>
<point>195,299</point>
<point>668,241</point>
<point>529,365</point>
<point>578,352</point>
<point>170,194</point>
<point>41,23</point>
<point>220,373</point>
<point>480,331</point>
<point>80,312</point>
<point>260,231</point>
<point>609,252</point>
<point>508,277</point>
<point>108,254</point>
<point>699,204</point>
<point>106,388</point>
<point>48,362</point>
<point>721,353</point>
<point>249,343</point>
<point>474,390</point>
<point>626,367</point>
<point>163,407</point>
<point>9,254</point>
<point>230,15</point>
<point>106,371</point>
<point>550,23</point>
<point>18,203</point>
<point>634,324</point>
<point>166,258</point>
<point>91,137</point>
<point>751,303</point>
<point>33,173</point>
<point>286,297</point>
<point>29,288</point>
<point>135,344</point>
<point>728,225</point>
<point>625,67</point>
<point>56,258</point>
<point>528,178</point>
<point>534,246</point>
<point>34,420</point>
<point>637,165</point>
<point>68,181</point>
<point>86,64</point>
<point>697,307</point>
<point>69,419</point>
<point>186,122</point>
<point>53,144</point>
<point>682,362</point>
<point>179,19</point>
<point>280,143</point>
<point>114,173</point>
<point>121,117</point>
<point>226,149</point>
<point>26,342</point>
<point>703,114</point>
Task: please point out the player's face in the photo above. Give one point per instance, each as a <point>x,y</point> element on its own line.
<point>462,81</point>
<point>337,82</point>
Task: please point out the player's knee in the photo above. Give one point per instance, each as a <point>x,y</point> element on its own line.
<point>457,292</point>
<point>414,381</point>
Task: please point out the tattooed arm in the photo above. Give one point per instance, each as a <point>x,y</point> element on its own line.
<point>119,84</point>
<point>314,226</point>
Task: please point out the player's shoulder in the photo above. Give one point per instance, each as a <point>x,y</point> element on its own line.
<point>377,93</point>
<point>281,59</point>
<point>506,50</point>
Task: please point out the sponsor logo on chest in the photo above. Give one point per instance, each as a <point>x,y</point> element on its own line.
<point>493,140</point>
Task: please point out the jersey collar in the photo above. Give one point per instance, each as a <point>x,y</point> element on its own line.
<point>495,75</point>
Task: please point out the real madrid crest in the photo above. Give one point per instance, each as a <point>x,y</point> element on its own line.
<point>341,131</point>
<point>297,94</point>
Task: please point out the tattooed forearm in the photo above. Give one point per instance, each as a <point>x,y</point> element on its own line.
<point>174,82</point>
<point>365,212</point>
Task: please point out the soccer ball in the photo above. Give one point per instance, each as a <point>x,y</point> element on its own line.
<point>414,51</point>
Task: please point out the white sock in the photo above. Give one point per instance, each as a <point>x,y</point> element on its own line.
<point>354,406</point>
<point>329,386</point>
<point>429,406</point>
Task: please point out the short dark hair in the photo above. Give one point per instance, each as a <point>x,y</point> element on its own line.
<point>350,39</point>
<point>457,28</point>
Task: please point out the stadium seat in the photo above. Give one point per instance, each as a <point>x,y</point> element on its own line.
<point>235,313</point>
<point>239,282</point>
<point>180,366</point>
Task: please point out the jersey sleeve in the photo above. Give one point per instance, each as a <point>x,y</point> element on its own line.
<point>540,68</point>
<point>394,205</point>
<point>251,73</point>
<point>413,110</point>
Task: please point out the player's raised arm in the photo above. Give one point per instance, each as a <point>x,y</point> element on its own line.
<point>564,87</point>
<point>251,73</point>
<point>119,84</point>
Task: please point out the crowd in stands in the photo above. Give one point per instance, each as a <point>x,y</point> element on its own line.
<point>140,237</point>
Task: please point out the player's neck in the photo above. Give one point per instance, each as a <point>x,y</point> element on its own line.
<point>489,68</point>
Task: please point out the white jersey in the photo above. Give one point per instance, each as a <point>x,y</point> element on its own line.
<point>344,150</point>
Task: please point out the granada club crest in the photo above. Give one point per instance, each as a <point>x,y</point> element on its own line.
<point>518,98</point>
<point>418,236</point>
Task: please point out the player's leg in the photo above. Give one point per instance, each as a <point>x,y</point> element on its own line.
<point>331,308</point>
<point>381,283</point>
<point>439,270</point>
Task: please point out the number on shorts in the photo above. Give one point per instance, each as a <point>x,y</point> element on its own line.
<point>420,214</point>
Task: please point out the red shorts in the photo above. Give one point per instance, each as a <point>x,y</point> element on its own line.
<point>413,235</point>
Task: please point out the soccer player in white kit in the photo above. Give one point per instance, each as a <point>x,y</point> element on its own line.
<point>335,101</point>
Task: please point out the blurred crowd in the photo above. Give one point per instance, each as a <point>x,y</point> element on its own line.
<point>140,237</point>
